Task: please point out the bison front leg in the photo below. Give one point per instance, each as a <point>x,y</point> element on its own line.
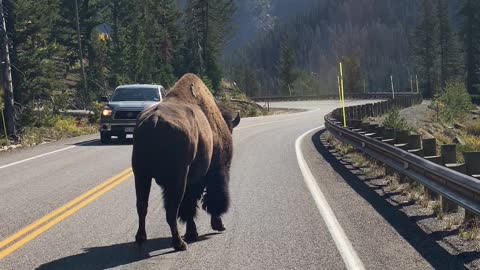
<point>188,210</point>
<point>142,189</point>
<point>173,194</point>
<point>217,197</point>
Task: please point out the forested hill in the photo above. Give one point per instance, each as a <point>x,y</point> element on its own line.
<point>370,36</point>
<point>254,17</point>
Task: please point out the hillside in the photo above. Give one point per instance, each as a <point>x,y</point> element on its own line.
<point>372,36</point>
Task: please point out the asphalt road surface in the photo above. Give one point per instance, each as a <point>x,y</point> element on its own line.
<point>71,205</point>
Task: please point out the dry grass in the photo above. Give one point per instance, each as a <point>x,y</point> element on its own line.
<point>473,128</point>
<point>63,127</point>
<point>472,143</point>
<point>453,222</point>
<point>437,209</point>
<point>344,148</point>
<point>470,234</point>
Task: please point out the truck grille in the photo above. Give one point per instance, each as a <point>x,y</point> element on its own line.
<point>127,114</point>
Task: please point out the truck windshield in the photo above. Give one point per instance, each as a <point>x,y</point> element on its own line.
<point>136,94</point>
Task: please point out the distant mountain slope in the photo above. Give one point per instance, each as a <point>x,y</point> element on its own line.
<point>375,34</point>
<point>254,17</point>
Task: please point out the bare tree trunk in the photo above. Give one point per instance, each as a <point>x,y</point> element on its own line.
<point>80,51</point>
<point>7,79</point>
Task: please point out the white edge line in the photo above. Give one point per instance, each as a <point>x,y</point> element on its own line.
<point>42,155</point>
<point>344,246</point>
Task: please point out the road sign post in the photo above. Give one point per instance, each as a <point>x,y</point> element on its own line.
<point>416,79</point>
<point>393,87</point>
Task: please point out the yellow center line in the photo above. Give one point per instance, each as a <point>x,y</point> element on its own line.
<point>115,180</point>
<point>40,226</point>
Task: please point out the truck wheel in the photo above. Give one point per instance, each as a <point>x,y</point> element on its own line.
<point>105,137</point>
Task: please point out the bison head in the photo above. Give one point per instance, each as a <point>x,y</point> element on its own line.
<point>228,117</point>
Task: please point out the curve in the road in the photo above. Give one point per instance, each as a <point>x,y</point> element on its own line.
<point>344,246</point>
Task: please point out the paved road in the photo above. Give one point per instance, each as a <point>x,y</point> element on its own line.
<point>277,221</point>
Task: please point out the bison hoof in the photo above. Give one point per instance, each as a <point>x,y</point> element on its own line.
<point>179,245</point>
<point>217,224</point>
<point>191,236</point>
<point>140,238</point>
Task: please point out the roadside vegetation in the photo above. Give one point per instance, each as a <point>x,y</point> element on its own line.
<point>401,191</point>
<point>57,66</point>
<point>395,121</point>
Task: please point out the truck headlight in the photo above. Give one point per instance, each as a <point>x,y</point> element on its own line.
<point>107,113</point>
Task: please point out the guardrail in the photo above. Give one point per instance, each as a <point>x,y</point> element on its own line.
<point>409,155</point>
<point>383,95</point>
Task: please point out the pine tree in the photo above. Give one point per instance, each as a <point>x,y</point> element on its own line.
<point>41,61</point>
<point>286,68</point>
<point>207,24</point>
<point>352,75</point>
<point>471,33</point>
<point>146,42</point>
<point>450,58</point>
<point>425,47</point>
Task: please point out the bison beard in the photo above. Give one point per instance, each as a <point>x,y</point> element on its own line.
<point>185,144</point>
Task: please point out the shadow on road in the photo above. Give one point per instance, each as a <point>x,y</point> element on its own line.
<point>106,257</point>
<point>424,243</point>
<point>114,142</point>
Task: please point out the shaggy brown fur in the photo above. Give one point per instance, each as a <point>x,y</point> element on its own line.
<point>185,144</point>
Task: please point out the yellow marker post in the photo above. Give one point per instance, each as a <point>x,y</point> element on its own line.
<point>339,91</point>
<point>342,96</point>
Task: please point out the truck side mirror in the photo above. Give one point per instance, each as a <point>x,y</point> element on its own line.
<point>104,99</point>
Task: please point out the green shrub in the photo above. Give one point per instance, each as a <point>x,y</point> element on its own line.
<point>96,108</point>
<point>395,121</point>
<point>453,102</point>
<point>252,112</point>
<point>39,114</point>
<point>66,125</point>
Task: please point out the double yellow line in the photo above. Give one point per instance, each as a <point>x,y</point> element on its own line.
<point>27,234</point>
<point>40,226</point>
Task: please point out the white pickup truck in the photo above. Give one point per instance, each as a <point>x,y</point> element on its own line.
<point>127,102</point>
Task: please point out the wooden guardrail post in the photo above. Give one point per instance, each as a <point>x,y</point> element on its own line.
<point>430,147</point>
<point>379,131</point>
<point>472,162</point>
<point>430,153</point>
<point>414,142</point>
<point>402,136</point>
<point>449,156</point>
<point>449,153</point>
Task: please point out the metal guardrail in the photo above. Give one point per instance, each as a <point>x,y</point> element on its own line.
<point>383,95</point>
<point>462,189</point>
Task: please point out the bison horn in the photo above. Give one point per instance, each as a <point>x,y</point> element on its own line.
<point>236,121</point>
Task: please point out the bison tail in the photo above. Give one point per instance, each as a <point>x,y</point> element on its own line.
<point>216,199</point>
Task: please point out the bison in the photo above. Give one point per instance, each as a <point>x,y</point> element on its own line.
<point>185,144</point>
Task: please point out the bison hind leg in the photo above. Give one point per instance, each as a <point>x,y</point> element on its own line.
<point>216,200</point>
<point>142,190</point>
<point>188,210</point>
<point>174,189</point>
